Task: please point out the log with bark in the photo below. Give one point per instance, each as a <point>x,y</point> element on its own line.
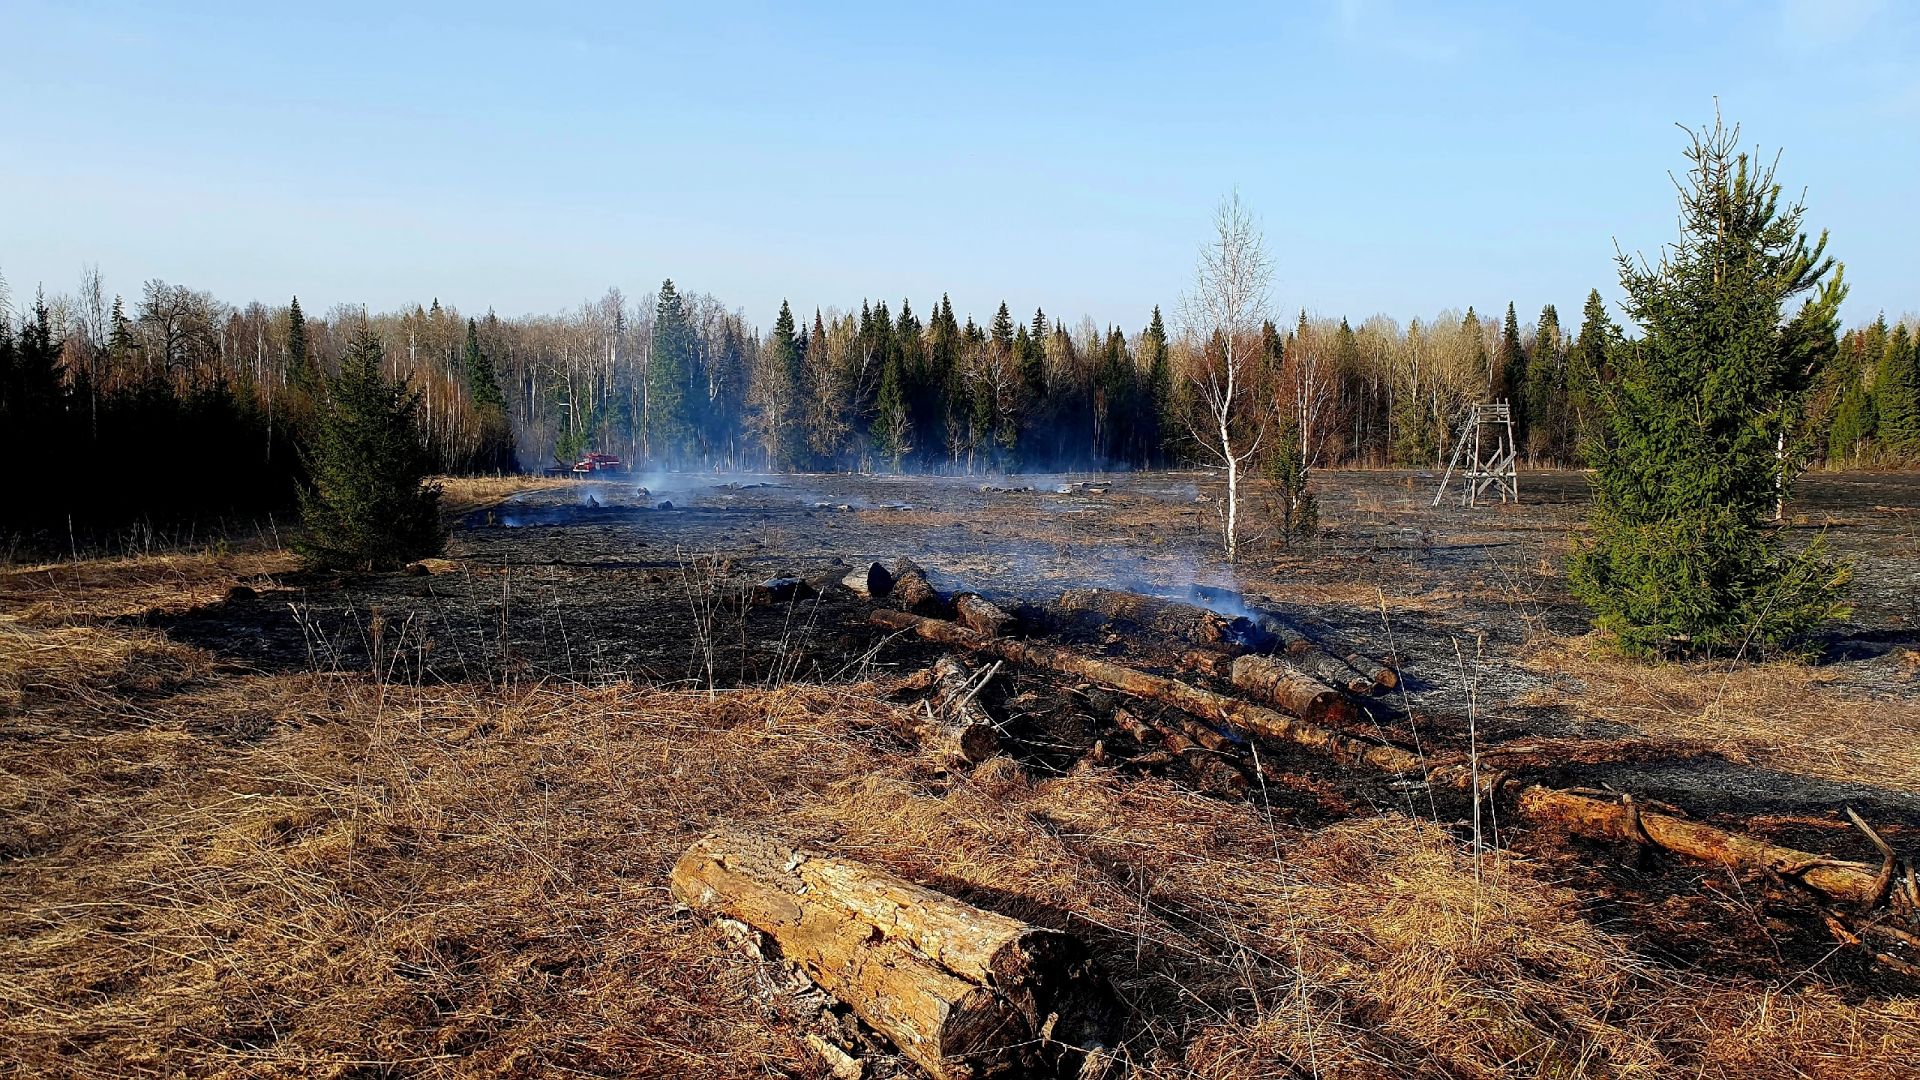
<point>958,729</point>
<point>915,593</point>
<point>1284,684</point>
<point>1213,772</point>
<point>870,582</point>
<point>1188,622</point>
<point>1590,816</point>
<point>979,613</point>
<point>963,993</point>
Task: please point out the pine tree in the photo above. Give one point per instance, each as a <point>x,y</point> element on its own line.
<point>892,429</point>
<point>670,365</point>
<point>301,374</point>
<point>1854,424</point>
<point>1896,393</point>
<point>1545,392</point>
<point>1513,377</point>
<point>370,505</point>
<point>483,387</point>
<point>1589,371</point>
<point>1159,425</point>
<point>775,393</point>
<point>1682,560</point>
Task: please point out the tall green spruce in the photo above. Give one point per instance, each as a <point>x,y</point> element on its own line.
<point>1588,369</point>
<point>1683,561</point>
<point>1512,377</point>
<point>670,363</point>
<point>1896,394</point>
<point>369,505</point>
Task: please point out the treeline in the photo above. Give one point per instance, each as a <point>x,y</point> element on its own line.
<point>185,407</point>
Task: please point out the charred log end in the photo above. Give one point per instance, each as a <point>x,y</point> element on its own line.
<point>985,1036</point>
<point>983,615</point>
<point>871,582</point>
<point>1216,662</point>
<point>1052,982</point>
<point>978,742</point>
<point>784,590</point>
<point>915,593</point>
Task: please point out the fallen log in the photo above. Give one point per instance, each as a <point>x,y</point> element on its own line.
<point>1189,622</point>
<point>963,993</point>
<point>914,592</point>
<point>782,590</point>
<point>870,582</point>
<point>960,729</point>
<point>1586,816</point>
<point>1284,684</point>
<point>979,613</point>
<point>1213,772</point>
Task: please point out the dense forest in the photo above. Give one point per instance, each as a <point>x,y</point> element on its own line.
<point>204,402</point>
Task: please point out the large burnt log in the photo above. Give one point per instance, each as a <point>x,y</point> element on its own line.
<point>1299,693</point>
<point>913,592</point>
<point>964,993</point>
<point>1588,816</point>
<point>870,582</point>
<point>959,729</point>
<point>1187,622</point>
<point>979,613</point>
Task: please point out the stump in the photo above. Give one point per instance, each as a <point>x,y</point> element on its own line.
<point>963,993</point>
<point>960,728</point>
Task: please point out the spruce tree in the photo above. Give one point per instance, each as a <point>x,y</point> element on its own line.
<point>670,364</point>
<point>1896,393</point>
<point>1588,371</point>
<point>301,374</point>
<point>1546,392</point>
<point>1683,560</point>
<point>1854,424</point>
<point>1513,377</point>
<point>892,429</point>
<point>370,505</point>
<point>1160,425</point>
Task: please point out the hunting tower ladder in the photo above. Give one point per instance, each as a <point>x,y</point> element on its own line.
<point>1486,458</point>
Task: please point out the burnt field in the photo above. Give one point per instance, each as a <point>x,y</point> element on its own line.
<point>423,820</point>
<point>595,582</point>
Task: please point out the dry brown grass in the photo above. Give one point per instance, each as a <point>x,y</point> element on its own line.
<point>94,589</point>
<point>459,494</point>
<point>1781,715</point>
<point>318,875</point>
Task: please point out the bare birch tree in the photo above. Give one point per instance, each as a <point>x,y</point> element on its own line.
<point>1224,314</point>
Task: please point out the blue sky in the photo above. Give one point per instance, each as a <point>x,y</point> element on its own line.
<point>1403,158</point>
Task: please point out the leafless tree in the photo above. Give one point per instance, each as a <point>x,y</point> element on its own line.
<point>1224,312</point>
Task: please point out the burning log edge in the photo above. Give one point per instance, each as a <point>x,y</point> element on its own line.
<point>963,993</point>
<point>1591,816</point>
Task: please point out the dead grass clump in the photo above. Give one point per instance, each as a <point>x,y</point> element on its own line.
<point>1781,714</point>
<point>95,589</point>
<point>89,665</point>
<point>460,494</point>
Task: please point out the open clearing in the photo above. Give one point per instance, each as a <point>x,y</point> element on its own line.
<point>260,822</point>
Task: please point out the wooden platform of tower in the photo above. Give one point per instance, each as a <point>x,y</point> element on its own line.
<point>1486,455</point>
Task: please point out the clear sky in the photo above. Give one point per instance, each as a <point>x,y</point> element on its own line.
<point>1403,158</point>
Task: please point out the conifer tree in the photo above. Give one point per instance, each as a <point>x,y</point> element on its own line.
<point>302,376</point>
<point>1896,392</point>
<point>483,387</point>
<point>1546,392</point>
<point>1855,423</point>
<point>892,430</point>
<point>1683,560</point>
<point>670,366</point>
<point>1159,424</point>
<point>370,505</point>
<point>1588,371</point>
<point>1512,383</point>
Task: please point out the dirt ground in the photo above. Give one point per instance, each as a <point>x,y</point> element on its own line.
<point>263,821</point>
